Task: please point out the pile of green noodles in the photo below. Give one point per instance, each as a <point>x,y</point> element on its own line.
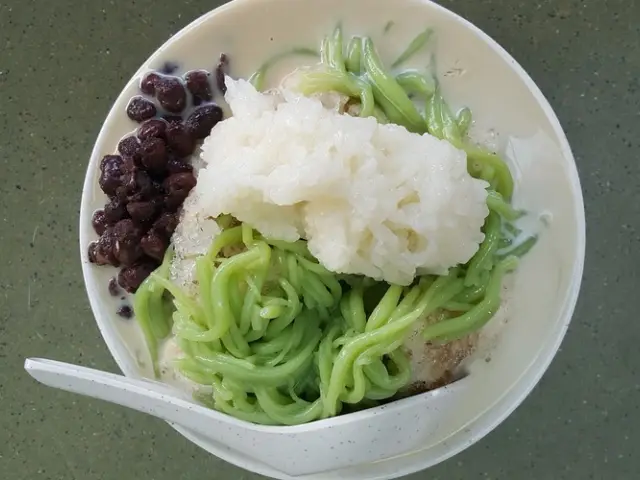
<point>275,338</point>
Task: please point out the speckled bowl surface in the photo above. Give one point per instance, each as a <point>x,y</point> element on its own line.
<point>512,114</point>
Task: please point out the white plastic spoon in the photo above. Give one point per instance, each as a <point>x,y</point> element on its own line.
<point>297,450</point>
<point>145,396</point>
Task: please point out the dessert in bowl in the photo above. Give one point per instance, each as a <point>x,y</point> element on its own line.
<point>355,236</point>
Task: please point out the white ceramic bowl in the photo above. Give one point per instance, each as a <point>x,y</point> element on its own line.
<point>510,112</point>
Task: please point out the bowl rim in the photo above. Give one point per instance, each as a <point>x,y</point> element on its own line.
<point>519,390</point>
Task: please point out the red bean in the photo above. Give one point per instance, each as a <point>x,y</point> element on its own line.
<point>153,128</point>
<point>154,245</point>
<point>166,224</point>
<point>115,210</point>
<point>202,120</point>
<point>198,84</point>
<point>171,94</point>
<point>179,140</point>
<point>148,83</point>
<point>114,289</point>
<point>178,187</point>
<point>130,147</point>
<point>99,221</point>
<point>131,277</point>
<point>102,251</point>
<point>140,109</point>
<point>143,210</point>
<point>110,179</point>
<point>125,311</point>
<point>154,154</point>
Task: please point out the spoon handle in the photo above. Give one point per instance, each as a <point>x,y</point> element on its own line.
<point>93,383</point>
<point>141,395</point>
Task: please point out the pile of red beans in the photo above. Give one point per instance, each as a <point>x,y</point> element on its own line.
<point>150,176</point>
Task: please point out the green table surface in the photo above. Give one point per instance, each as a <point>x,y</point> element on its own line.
<point>62,64</point>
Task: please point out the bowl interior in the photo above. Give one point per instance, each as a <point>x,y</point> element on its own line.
<point>510,113</point>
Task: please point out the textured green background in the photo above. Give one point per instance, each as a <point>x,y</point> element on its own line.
<point>62,63</point>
